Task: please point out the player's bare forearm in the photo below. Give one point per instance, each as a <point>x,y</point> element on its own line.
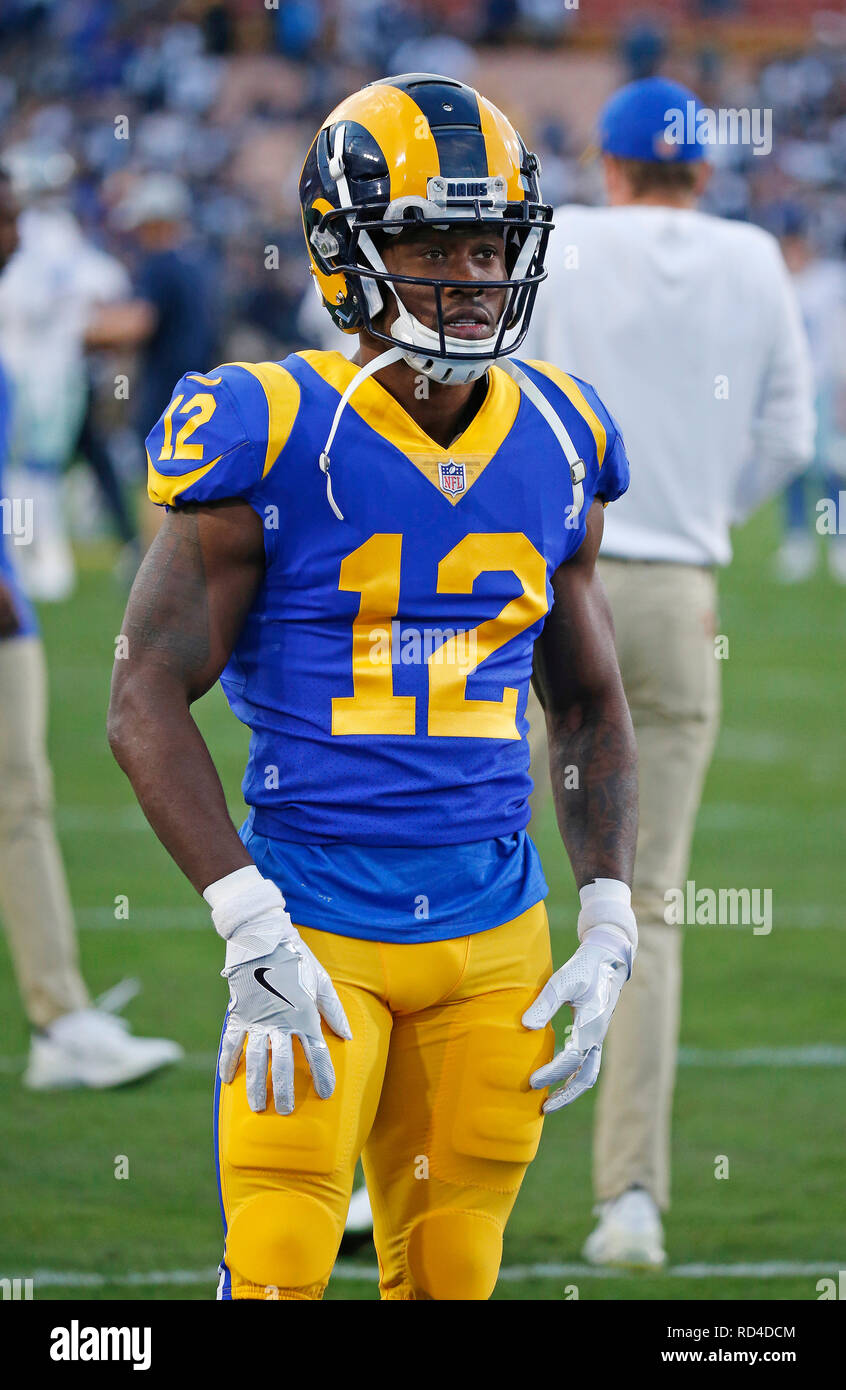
<point>592,750</point>
<point>597,804</point>
<point>161,750</point>
<point>186,609</point>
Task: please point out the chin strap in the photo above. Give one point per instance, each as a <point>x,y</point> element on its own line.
<point>538,399</point>
<point>523,380</point>
<point>385,359</point>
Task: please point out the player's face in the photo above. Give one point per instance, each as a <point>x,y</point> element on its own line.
<point>8,224</point>
<point>477,256</point>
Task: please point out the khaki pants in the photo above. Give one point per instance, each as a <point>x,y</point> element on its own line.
<point>664,617</point>
<point>34,902</point>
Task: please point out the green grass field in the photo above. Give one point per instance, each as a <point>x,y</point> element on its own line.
<point>773,817</point>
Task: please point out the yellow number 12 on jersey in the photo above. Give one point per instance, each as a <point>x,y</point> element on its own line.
<point>373,570</point>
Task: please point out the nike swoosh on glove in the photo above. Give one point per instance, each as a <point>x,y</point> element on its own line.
<point>278,991</point>
<point>272,1000</point>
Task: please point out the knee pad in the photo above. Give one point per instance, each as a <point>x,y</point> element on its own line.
<point>455,1255</point>
<point>283,1240</point>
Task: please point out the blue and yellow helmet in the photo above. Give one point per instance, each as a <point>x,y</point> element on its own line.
<point>420,148</point>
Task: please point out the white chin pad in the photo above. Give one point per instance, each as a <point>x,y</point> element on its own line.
<point>425,348</point>
<point>454,373</point>
<point>409,329</point>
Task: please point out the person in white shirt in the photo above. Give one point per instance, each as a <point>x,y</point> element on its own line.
<point>74,1042</point>
<point>55,282</point>
<point>688,327</point>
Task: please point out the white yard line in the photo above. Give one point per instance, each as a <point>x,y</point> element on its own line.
<point>145,919</point>
<point>742,815</point>
<point>820,1055</point>
<point>713,815</point>
<point>801,916</point>
<point>768,1269</point>
<point>81,819</point>
<point>786,917</point>
<point>78,819</point>
<point>349,1269</point>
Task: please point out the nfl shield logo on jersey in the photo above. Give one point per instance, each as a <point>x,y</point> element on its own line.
<point>452,477</point>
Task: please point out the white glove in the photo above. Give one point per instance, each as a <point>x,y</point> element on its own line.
<point>277,991</point>
<point>591,982</point>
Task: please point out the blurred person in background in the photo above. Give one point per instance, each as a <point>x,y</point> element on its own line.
<point>689,324</point>
<point>73,1043</point>
<point>173,317</point>
<point>56,280</point>
<point>820,284</point>
<point>643,46</point>
<point>96,447</point>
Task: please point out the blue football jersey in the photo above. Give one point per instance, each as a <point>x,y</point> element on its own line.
<point>384,666</point>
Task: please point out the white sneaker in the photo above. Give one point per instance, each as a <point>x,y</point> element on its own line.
<point>629,1233</point>
<point>359,1216</point>
<point>47,566</point>
<point>796,559</point>
<point>836,551</point>
<point>92,1048</point>
<point>358,1230</point>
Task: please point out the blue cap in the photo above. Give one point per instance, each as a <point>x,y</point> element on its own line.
<point>654,119</point>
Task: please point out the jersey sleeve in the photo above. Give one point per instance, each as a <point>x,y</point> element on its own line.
<point>221,434</point>
<point>595,433</point>
<point>612,478</point>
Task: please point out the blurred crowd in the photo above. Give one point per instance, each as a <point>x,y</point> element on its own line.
<point>155,151</point>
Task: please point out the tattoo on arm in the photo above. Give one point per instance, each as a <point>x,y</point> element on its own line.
<point>597,811</point>
<point>592,749</point>
<point>179,633</point>
<point>188,605</point>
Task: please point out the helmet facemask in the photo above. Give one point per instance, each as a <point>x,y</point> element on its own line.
<point>430,348</point>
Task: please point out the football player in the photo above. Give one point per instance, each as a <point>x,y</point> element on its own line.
<point>370,564</point>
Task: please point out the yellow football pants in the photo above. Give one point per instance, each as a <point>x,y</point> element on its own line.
<point>432,1092</point>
